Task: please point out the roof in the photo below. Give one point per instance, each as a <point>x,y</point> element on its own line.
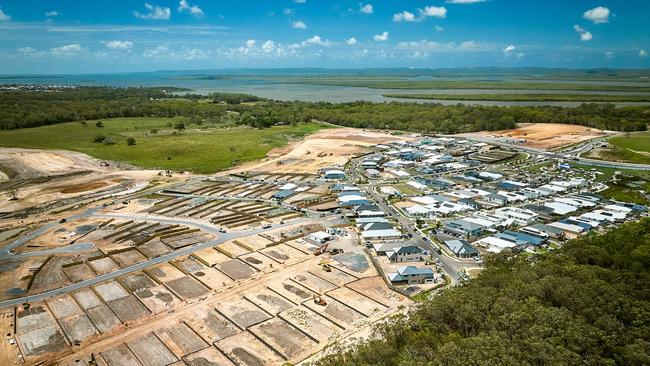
<point>460,247</point>
<point>320,235</point>
<point>412,270</point>
<point>520,238</point>
<point>409,249</point>
<point>283,194</point>
<point>387,233</point>
<point>334,172</point>
<point>465,225</point>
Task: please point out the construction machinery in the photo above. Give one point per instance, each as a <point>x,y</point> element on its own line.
<point>336,251</point>
<point>319,301</point>
<point>321,249</point>
<point>326,267</point>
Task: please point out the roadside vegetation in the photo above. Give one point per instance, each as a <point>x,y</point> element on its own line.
<point>584,303</point>
<point>160,143</point>
<point>528,97</point>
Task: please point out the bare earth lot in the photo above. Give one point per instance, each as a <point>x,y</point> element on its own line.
<point>545,135</point>
<point>326,148</point>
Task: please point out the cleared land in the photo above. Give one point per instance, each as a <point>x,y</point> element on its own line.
<point>199,150</point>
<point>528,97</point>
<point>327,148</point>
<point>543,135</point>
<point>634,148</point>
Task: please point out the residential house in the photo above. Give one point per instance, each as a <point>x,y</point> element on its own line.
<point>411,275</point>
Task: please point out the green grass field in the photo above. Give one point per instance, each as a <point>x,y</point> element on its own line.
<point>633,148</point>
<point>205,150</point>
<point>527,97</point>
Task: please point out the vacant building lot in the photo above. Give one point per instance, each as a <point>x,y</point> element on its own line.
<point>283,310</point>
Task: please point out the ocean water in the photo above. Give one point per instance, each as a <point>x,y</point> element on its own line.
<point>273,86</point>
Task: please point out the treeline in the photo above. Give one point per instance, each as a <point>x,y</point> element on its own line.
<point>234,98</point>
<point>585,304</point>
<point>20,109</point>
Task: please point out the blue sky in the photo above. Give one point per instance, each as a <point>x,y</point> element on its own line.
<point>56,36</point>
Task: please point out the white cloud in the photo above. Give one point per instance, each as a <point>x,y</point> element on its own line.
<point>268,46</point>
<point>450,47</point>
<point>435,11</point>
<point>643,53</point>
<point>314,40</point>
<point>381,37</point>
<point>511,50</point>
<point>585,35</point>
<point>52,13</point>
<point>185,54</point>
<point>366,9</point>
<point>439,28</point>
<point>26,50</point>
<point>597,15</point>
<point>429,11</point>
<point>155,12</point>
<point>287,11</point>
<point>183,5</point>
<point>299,1</point>
<point>4,16</point>
<point>67,49</point>
<point>298,24</point>
<point>463,2</point>
<point>250,43</point>
<point>609,55</point>
<point>351,41</point>
<point>405,16</point>
<point>118,45</point>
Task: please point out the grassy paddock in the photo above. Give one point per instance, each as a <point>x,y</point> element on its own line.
<point>205,150</point>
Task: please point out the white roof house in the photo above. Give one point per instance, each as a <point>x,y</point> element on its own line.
<point>618,208</point>
<point>575,202</point>
<point>604,215</point>
<point>494,244</point>
<point>319,236</point>
<point>568,227</point>
<point>416,185</point>
<point>560,208</point>
<point>520,215</point>
<point>381,234</point>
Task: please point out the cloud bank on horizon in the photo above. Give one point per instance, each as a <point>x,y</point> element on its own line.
<point>57,36</point>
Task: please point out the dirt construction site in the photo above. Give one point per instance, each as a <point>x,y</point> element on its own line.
<point>233,306</point>
<point>327,148</point>
<point>130,267</point>
<point>546,136</point>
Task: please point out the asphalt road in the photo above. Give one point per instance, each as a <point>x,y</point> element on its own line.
<point>450,265</point>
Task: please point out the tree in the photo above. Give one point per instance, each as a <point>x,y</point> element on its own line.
<point>99,138</point>
<point>179,126</point>
<point>130,141</point>
<point>99,124</point>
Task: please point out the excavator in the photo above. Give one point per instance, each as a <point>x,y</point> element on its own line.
<point>319,300</point>
<point>321,249</point>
